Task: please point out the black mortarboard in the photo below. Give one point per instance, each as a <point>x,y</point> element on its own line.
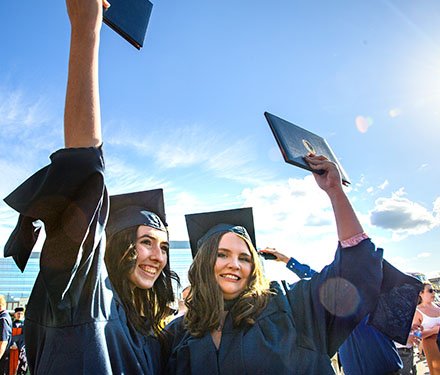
<point>201,226</point>
<point>19,309</point>
<point>133,209</point>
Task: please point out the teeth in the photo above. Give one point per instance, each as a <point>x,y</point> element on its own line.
<point>150,270</point>
<point>232,277</point>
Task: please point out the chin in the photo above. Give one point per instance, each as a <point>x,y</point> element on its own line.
<point>143,284</point>
<point>228,295</point>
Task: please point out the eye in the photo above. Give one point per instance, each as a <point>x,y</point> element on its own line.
<point>165,249</point>
<point>146,242</point>
<point>221,255</point>
<point>246,259</point>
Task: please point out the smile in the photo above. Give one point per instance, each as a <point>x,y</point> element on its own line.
<point>230,276</point>
<point>148,269</point>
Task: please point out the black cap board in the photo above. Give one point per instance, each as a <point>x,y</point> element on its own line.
<point>201,226</point>
<point>139,208</point>
<point>296,142</point>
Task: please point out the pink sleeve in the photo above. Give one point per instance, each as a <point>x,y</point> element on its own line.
<point>355,240</point>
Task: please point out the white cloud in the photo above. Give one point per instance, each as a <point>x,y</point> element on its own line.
<point>8,219</point>
<point>403,216</point>
<point>296,217</point>
<point>383,185</point>
<point>122,177</point>
<point>196,145</point>
<point>424,255</point>
<point>19,111</point>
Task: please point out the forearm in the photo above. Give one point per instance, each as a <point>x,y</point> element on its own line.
<point>82,116</point>
<point>429,332</point>
<point>347,223</point>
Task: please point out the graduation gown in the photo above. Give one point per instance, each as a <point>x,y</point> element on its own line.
<point>75,322</point>
<point>305,323</point>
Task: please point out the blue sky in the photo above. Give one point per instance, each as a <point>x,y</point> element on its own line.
<point>186,113</point>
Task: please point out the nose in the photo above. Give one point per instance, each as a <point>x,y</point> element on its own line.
<point>156,254</point>
<point>234,263</point>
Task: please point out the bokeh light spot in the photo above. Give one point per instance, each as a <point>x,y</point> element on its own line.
<point>394,112</point>
<point>339,296</point>
<point>363,123</point>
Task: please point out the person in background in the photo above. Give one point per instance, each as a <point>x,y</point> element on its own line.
<point>238,323</point>
<point>182,309</point>
<point>5,338</point>
<point>428,315</point>
<point>18,362</point>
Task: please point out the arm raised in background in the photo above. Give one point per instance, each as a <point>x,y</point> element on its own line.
<point>82,115</point>
<point>347,223</point>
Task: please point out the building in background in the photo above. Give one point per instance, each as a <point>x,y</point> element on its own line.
<point>17,286</point>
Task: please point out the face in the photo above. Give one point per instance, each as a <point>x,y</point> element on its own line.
<point>233,266</point>
<point>19,315</point>
<point>185,293</point>
<point>428,294</point>
<point>152,248</point>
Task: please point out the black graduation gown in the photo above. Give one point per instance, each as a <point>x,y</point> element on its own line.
<point>75,322</point>
<point>304,323</point>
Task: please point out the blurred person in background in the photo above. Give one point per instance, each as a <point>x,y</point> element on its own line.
<point>428,315</point>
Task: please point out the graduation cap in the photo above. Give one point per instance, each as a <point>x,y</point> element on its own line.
<point>202,226</point>
<point>134,209</point>
<point>19,309</point>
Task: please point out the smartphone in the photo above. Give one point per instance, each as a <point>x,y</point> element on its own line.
<point>267,256</point>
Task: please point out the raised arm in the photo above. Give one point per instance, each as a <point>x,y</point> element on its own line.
<point>347,222</point>
<point>82,115</point>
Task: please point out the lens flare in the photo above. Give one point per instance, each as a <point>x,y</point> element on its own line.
<point>339,297</point>
<point>363,123</point>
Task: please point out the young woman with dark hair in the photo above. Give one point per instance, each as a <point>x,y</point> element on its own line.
<point>78,321</point>
<point>142,303</point>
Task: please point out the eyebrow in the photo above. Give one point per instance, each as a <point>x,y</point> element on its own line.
<point>229,251</point>
<point>153,238</point>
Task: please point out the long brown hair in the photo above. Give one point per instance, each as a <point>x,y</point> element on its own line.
<point>145,308</point>
<point>205,300</point>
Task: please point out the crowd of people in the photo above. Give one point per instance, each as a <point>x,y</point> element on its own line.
<point>104,287</point>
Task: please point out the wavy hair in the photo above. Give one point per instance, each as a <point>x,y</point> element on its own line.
<point>146,309</point>
<point>205,300</point>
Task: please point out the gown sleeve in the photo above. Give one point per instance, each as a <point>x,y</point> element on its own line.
<point>358,282</point>
<point>70,198</point>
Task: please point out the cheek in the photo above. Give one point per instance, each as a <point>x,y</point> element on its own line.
<point>218,266</point>
<point>247,270</point>
<point>165,260</point>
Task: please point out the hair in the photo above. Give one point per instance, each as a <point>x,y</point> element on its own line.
<point>205,300</point>
<point>2,302</point>
<point>424,285</point>
<point>139,304</point>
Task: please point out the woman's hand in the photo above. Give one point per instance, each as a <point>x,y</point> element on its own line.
<point>331,178</point>
<point>86,15</point>
<point>280,257</point>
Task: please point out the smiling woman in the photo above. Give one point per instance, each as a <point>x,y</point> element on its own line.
<point>137,257</point>
<point>239,323</point>
<point>78,319</point>
<point>233,266</point>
